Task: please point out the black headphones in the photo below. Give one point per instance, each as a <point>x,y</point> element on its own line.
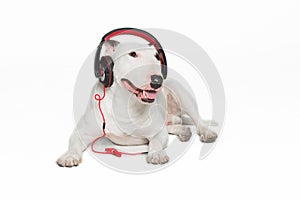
<point>103,67</point>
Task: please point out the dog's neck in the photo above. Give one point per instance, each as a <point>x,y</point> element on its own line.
<point>128,102</point>
<point>131,115</point>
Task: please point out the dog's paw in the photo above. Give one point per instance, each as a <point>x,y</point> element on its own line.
<point>185,134</point>
<point>208,137</point>
<point>69,159</point>
<point>159,157</point>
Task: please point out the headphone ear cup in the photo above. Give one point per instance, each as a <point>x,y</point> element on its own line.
<point>106,66</point>
<point>97,63</point>
<point>164,71</point>
<point>163,62</point>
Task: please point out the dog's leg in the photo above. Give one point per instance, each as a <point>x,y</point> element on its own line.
<point>85,132</point>
<point>183,132</point>
<point>74,154</point>
<point>188,106</point>
<point>176,127</point>
<point>175,124</point>
<point>157,144</point>
<point>203,129</point>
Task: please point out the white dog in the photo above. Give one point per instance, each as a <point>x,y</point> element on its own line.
<point>140,107</point>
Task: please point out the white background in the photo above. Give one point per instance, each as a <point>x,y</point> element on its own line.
<point>255,46</point>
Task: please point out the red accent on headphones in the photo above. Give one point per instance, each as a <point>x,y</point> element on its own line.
<point>105,64</point>
<point>140,33</point>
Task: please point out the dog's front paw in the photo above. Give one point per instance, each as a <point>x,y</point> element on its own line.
<point>208,137</point>
<point>69,159</point>
<point>159,157</point>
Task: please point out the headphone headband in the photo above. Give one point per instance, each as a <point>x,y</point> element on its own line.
<point>133,31</point>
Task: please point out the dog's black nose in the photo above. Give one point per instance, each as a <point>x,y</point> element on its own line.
<point>156,81</point>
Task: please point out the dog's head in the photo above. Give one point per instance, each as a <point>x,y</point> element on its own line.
<point>137,68</point>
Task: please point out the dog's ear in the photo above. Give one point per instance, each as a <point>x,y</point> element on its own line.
<point>110,46</point>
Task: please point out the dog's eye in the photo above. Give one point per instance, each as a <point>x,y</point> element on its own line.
<point>156,56</point>
<point>133,54</point>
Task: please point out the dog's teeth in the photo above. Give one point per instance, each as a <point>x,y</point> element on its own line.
<point>144,93</point>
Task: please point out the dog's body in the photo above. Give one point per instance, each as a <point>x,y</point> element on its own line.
<point>137,113</point>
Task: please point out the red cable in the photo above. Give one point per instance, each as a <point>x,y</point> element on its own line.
<point>112,151</point>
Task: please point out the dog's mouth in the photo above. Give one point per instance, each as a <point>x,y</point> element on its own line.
<point>145,95</point>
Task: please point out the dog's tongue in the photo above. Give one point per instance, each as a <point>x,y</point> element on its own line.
<point>150,95</point>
